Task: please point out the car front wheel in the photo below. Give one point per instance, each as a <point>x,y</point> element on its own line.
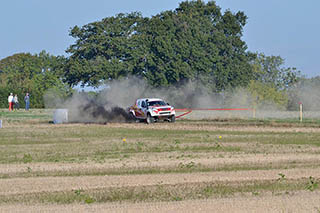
<point>173,119</point>
<point>149,119</point>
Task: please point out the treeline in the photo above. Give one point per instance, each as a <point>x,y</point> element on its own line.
<point>35,74</point>
<point>195,42</point>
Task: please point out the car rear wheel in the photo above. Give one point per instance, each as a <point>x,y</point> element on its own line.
<point>133,118</point>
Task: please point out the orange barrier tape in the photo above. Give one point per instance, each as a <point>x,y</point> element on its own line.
<point>183,114</point>
<point>189,110</point>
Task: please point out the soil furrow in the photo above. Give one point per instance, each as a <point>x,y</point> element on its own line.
<point>49,184</point>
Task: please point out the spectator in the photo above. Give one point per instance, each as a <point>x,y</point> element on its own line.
<point>16,102</point>
<point>27,101</point>
<point>10,101</point>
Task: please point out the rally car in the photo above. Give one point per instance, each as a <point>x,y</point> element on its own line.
<point>152,110</point>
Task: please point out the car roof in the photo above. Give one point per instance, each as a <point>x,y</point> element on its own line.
<point>150,99</point>
<point>154,99</point>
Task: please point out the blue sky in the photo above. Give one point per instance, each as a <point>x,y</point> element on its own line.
<point>289,28</point>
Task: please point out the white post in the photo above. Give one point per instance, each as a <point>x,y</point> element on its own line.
<point>300,115</point>
<point>0,123</point>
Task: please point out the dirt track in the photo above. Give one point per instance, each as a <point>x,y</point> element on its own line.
<point>161,161</point>
<point>205,126</point>
<point>191,125</point>
<point>298,202</point>
<point>305,159</point>
<point>51,184</point>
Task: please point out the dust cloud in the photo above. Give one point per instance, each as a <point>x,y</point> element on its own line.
<point>308,94</point>
<point>111,104</point>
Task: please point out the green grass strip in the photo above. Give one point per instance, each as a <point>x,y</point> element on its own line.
<point>161,192</point>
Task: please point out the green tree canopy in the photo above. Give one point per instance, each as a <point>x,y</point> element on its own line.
<point>270,70</point>
<point>194,42</point>
<point>34,74</point>
<point>271,82</point>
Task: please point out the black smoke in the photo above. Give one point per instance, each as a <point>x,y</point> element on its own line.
<point>89,110</point>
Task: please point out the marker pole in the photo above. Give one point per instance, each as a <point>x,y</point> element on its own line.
<point>300,115</point>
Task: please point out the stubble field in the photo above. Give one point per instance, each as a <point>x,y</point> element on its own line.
<point>230,165</point>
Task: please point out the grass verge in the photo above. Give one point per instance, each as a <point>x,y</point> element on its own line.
<point>189,167</point>
<point>162,192</point>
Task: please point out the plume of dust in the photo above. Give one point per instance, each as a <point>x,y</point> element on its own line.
<point>111,104</point>
<point>123,93</point>
<point>85,108</point>
<point>308,94</point>
<point>243,97</point>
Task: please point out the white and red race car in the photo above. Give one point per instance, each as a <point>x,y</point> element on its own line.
<point>152,110</point>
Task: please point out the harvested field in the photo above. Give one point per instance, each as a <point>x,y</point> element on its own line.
<point>298,202</point>
<point>188,166</point>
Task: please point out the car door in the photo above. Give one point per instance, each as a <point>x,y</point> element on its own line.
<point>138,109</point>
<point>144,108</point>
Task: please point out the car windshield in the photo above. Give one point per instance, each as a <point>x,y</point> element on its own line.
<point>156,103</point>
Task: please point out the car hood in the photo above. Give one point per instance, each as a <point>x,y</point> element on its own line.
<point>162,108</point>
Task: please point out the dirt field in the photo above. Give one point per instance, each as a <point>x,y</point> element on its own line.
<point>300,202</point>
<point>188,166</point>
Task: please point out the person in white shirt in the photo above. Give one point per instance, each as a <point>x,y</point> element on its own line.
<point>10,101</point>
<point>16,102</point>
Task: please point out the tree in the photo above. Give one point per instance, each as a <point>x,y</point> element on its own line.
<point>272,82</point>
<point>265,96</point>
<point>103,50</point>
<point>270,70</point>
<point>195,42</point>
<point>35,74</point>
